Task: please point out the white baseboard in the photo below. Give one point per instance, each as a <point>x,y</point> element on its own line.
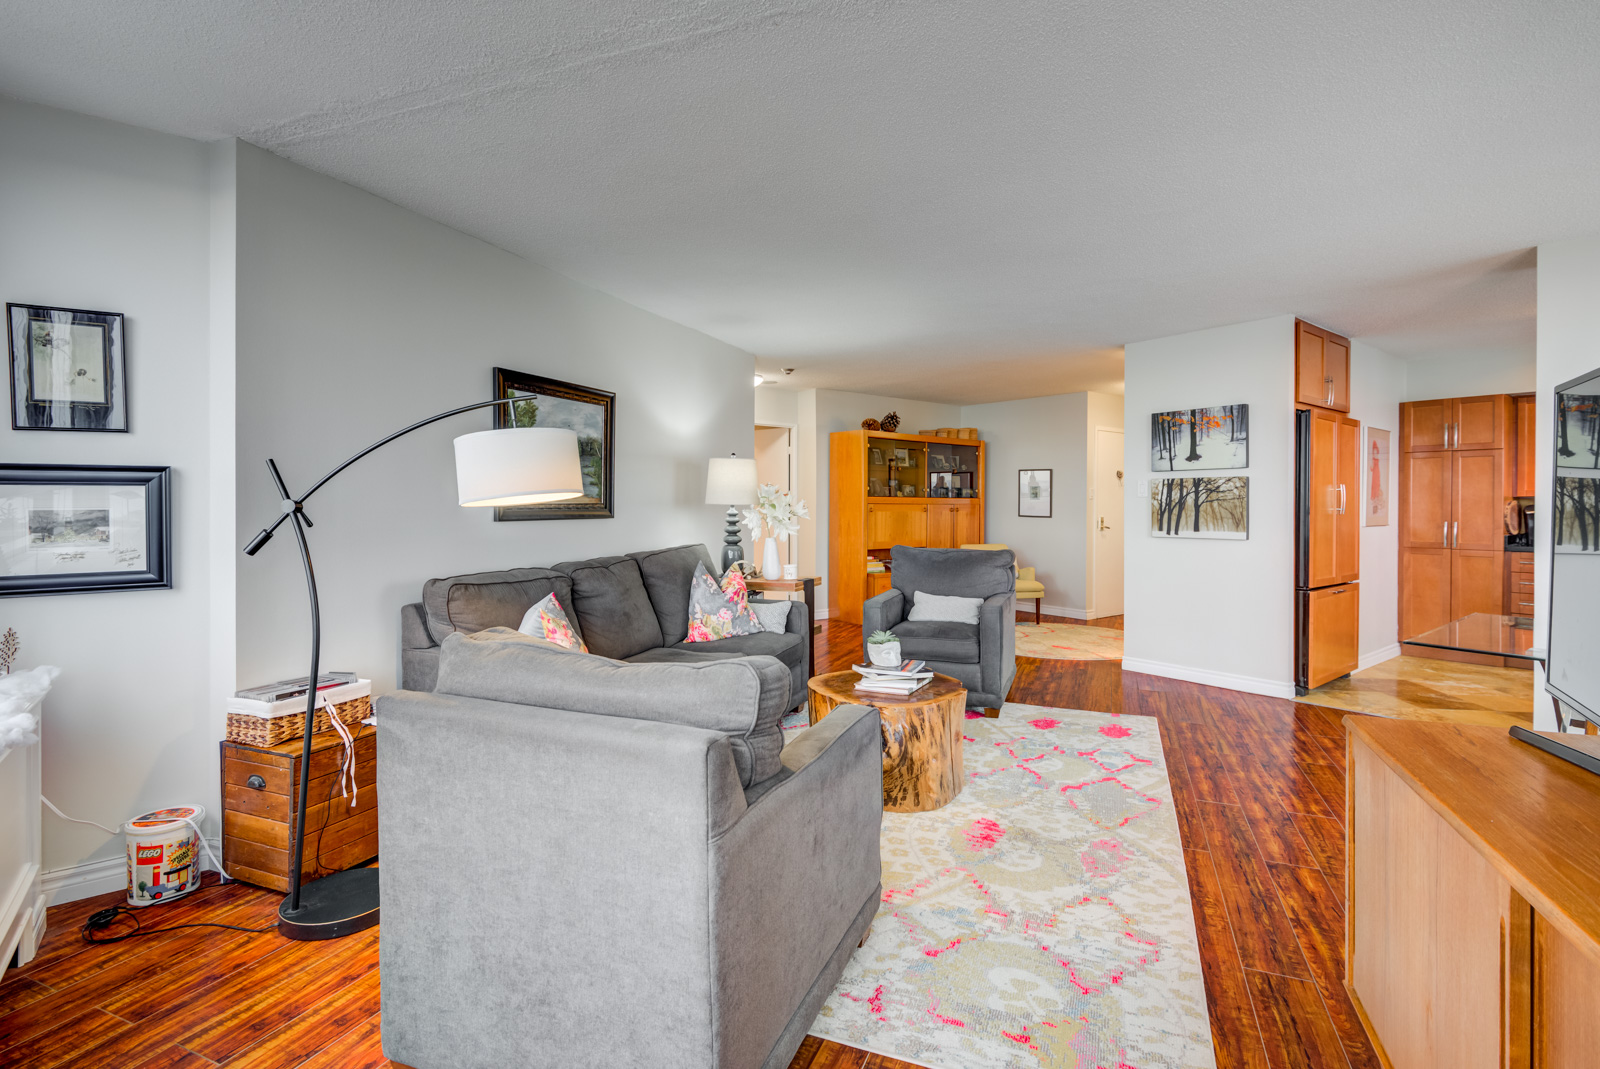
<point>1026,607</point>
<point>97,877</point>
<point>1387,653</point>
<point>1208,678</point>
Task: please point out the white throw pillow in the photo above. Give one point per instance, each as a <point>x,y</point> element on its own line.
<point>944,607</point>
<point>774,615</point>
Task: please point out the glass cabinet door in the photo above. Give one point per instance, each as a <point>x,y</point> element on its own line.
<point>952,469</point>
<point>896,468</point>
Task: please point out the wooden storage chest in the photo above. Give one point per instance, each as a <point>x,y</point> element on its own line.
<point>260,796</point>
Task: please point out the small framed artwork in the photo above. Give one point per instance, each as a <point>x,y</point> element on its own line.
<point>902,457</point>
<point>876,458</point>
<point>67,529</point>
<point>1202,507</point>
<point>1376,510</point>
<point>1033,492</point>
<point>67,370</point>
<point>584,410</point>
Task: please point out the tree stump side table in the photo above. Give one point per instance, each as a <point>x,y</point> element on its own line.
<point>922,735</point>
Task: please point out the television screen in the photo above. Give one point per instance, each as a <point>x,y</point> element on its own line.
<point>1573,669</point>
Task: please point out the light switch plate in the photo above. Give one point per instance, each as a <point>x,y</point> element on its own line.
<point>1144,487</point>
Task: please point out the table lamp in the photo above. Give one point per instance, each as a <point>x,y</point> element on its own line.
<point>508,466</point>
<point>731,481</point>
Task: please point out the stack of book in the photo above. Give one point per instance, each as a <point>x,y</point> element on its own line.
<point>908,678</point>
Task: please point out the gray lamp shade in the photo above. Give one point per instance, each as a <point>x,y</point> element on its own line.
<point>517,466</point>
<point>731,481</point>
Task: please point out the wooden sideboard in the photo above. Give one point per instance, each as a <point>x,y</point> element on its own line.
<point>1472,937</point>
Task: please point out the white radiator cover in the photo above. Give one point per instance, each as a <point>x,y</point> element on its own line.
<point>22,899</point>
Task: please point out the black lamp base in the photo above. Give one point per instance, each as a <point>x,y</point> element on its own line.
<point>732,551</point>
<point>332,907</point>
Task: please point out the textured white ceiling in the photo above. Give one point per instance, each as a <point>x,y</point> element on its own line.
<point>953,201</point>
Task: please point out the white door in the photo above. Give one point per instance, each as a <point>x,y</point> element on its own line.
<point>1106,594</point>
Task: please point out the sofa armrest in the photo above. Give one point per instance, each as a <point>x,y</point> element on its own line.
<point>507,812</point>
<point>883,612</point>
<point>997,641</point>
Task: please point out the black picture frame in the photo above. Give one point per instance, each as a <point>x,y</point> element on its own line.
<point>156,484</point>
<point>1049,491</point>
<point>32,406</point>
<point>508,383</point>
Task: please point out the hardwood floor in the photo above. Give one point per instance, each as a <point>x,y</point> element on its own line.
<point>1258,787</point>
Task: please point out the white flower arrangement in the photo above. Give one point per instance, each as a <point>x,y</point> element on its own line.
<point>779,511</point>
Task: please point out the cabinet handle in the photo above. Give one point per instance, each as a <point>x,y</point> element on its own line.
<point>1455,535</point>
<point>1328,382</point>
<point>1444,535</point>
<point>1341,499</point>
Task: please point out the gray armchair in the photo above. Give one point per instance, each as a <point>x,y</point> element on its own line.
<point>588,862</point>
<point>983,656</point>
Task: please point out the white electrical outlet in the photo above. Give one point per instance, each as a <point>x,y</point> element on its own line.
<point>1144,487</point>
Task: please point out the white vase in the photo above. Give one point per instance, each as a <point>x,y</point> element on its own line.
<point>884,654</point>
<point>771,566</point>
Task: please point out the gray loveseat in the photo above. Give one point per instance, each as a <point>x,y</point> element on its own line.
<point>631,608</point>
<point>983,656</point>
<point>589,862</point>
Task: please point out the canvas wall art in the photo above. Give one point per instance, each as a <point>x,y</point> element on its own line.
<point>587,412</point>
<point>1201,507</point>
<point>1196,439</point>
<point>1376,511</point>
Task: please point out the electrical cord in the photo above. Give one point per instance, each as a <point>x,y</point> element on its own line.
<point>102,919</point>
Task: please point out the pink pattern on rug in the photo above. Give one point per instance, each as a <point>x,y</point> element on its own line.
<point>1045,723</point>
<point>974,715</point>
<point>1115,731</point>
<point>1105,857</point>
<point>984,833</point>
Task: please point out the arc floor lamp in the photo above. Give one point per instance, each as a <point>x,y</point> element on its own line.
<point>507,466</point>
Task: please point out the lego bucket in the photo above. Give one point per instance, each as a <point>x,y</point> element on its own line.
<point>163,854</point>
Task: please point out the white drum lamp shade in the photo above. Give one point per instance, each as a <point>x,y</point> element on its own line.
<point>731,481</point>
<point>517,466</point>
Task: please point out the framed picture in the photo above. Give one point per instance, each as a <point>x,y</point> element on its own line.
<point>902,457</point>
<point>66,369</point>
<point>66,529</point>
<point>1033,492</point>
<point>1190,439</point>
<point>876,457</point>
<point>590,413</point>
<point>1376,510</point>
<point>1202,507</point>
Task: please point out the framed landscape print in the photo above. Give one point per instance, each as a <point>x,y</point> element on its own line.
<point>1033,492</point>
<point>589,413</point>
<point>1375,511</point>
<point>67,370</point>
<point>1191,439</point>
<point>1200,507</point>
<point>70,530</point>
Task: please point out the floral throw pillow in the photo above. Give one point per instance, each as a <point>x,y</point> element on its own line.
<point>719,611</point>
<point>548,621</point>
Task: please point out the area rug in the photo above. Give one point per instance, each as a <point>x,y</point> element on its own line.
<point>1040,919</point>
<point>1068,642</point>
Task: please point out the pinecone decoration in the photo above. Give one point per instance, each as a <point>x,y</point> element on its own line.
<point>870,425</point>
<point>890,423</point>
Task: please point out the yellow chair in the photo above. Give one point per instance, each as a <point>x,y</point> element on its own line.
<point>1028,586</point>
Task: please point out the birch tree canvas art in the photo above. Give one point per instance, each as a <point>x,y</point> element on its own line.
<point>1203,507</point>
<point>1191,439</point>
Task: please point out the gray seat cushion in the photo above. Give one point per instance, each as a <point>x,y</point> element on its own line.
<point>666,574</point>
<point>610,606</point>
<point>786,647</point>
<point>744,698</point>
<point>481,600</point>
<point>938,640</point>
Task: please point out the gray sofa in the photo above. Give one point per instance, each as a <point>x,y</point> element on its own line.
<point>589,862</point>
<point>983,656</point>
<point>631,608</point>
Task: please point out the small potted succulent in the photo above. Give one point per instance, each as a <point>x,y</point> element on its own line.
<point>883,649</point>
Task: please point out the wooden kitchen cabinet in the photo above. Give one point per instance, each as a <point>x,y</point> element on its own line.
<point>1424,425</point>
<point>1321,367</point>
<point>1332,498</point>
<point>1457,423</point>
<point>1332,625</point>
<point>1472,934</point>
<point>1526,425</point>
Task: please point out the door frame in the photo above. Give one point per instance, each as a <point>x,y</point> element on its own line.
<point>794,478</point>
<point>1090,612</point>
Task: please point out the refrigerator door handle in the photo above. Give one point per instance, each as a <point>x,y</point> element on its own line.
<point>1444,535</point>
<point>1342,499</point>
<point>1455,535</point>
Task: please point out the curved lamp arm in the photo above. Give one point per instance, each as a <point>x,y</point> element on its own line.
<point>292,505</point>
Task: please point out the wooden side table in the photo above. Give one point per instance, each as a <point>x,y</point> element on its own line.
<point>806,586</point>
<point>260,793</point>
<point>922,734</point>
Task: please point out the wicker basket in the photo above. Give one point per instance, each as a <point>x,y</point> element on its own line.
<point>945,432</point>
<point>271,730</point>
<point>966,432</point>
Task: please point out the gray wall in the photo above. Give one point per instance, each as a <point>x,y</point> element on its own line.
<point>356,317</point>
<point>108,217</point>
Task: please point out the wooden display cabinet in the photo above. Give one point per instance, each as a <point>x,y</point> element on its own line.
<point>888,490</point>
<point>1321,367</point>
